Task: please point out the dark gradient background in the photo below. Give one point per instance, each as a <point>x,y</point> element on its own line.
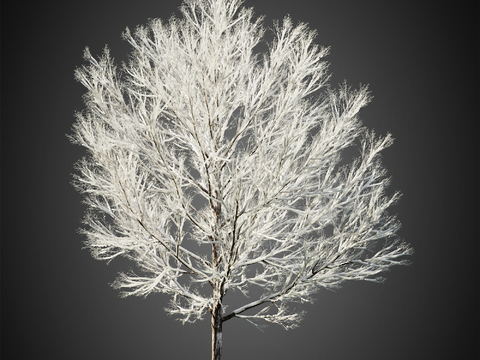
<point>421,59</point>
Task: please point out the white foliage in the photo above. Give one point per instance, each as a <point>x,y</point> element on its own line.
<point>196,114</point>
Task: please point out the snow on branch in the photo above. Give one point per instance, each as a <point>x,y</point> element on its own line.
<point>199,142</point>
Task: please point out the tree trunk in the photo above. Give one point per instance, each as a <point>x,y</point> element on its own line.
<point>217,331</point>
<point>217,286</point>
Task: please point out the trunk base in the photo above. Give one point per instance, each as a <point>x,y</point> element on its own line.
<point>217,332</point>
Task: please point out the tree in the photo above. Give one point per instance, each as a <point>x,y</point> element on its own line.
<point>201,143</point>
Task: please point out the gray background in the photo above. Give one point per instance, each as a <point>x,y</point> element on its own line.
<point>421,59</point>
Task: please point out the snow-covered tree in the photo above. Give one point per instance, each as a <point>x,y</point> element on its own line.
<point>199,143</point>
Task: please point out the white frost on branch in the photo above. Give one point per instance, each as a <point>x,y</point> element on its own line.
<point>197,114</point>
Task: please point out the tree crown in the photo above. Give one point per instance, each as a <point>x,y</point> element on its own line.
<point>201,143</point>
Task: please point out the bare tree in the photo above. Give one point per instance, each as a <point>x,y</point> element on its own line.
<point>198,142</point>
